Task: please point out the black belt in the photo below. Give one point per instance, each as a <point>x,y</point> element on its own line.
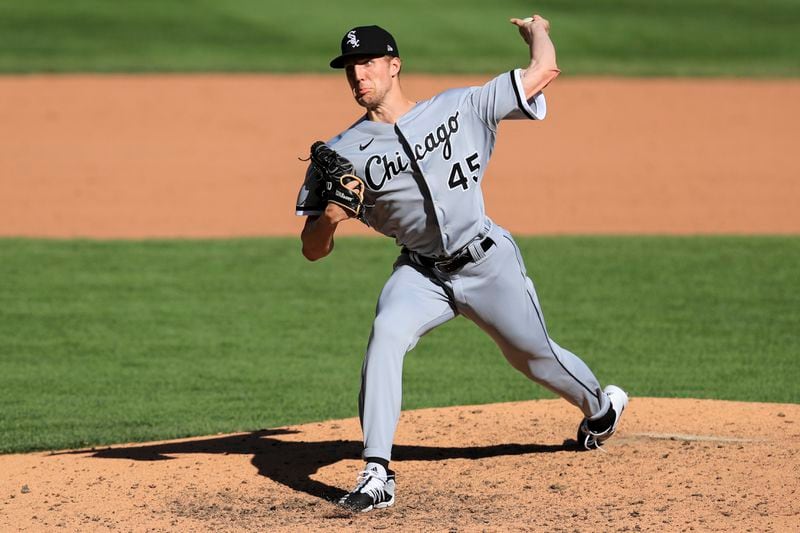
<point>451,264</point>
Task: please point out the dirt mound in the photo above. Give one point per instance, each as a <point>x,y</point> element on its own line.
<point>674,464</point>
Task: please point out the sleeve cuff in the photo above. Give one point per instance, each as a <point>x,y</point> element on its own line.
<point>301,212</point>
<point>533,109</point>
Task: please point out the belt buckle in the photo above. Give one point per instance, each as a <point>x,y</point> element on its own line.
<point>446,265</point>
<point>442,266</point>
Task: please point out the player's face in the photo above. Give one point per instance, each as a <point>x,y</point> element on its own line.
<point>370,78</point>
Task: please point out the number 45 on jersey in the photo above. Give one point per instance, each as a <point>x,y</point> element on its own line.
<point>457,176</point>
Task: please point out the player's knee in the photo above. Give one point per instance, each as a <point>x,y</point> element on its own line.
<point>537,368</point>
<point>532,359</point>
<point>389,330</point>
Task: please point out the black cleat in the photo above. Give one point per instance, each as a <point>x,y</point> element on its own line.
<point>592,440</point>
<point>373,491</point>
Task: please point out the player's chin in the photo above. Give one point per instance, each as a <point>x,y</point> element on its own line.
<point>363,100</point>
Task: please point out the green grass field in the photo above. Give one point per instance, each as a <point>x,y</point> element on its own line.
<point>621,37</point>
<point>104,342</point>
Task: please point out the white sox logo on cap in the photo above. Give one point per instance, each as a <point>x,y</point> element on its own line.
<point>363,41</point>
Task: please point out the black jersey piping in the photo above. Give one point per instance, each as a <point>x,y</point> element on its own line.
<point>547,336</point>
<point>419,178</point>
<point>520,102</point>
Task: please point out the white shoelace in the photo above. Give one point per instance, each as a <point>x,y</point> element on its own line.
<point>370,483</point>
<point>592,440</point>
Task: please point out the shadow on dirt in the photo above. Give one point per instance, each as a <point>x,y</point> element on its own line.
<point>292,463</point>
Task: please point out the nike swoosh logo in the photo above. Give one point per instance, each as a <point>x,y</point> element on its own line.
<point>363,147</point>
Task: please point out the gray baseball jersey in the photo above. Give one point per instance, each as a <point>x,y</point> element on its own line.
<point>423,177</point>
<point>424,173</point>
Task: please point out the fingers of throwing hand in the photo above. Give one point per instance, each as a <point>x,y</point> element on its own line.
<point>535,20</point>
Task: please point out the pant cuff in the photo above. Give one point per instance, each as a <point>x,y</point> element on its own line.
<point>605,405</point>
<point>377,452</point>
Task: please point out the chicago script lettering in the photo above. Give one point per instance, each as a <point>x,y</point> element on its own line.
<point>382,168</point>
<point>441,135</point>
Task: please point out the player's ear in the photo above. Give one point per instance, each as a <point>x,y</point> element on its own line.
<point>395,65</point>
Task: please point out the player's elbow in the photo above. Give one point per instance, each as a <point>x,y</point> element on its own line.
<point>315,253</point>
<point>538,76</point>
<point>312,255</point>
<point>317,241</point>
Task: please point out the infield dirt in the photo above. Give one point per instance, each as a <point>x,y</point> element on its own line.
<point>214,156</point>
<point>675,465</point>
<point>198,156</point>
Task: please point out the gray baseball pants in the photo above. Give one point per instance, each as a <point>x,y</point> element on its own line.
<point>495,293</point>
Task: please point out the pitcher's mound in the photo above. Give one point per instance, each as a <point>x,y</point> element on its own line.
<point>673,465</point>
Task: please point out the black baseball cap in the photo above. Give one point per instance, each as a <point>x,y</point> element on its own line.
<point>366,41</point>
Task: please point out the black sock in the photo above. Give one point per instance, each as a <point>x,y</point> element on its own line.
<point>380,460</point>
<point>604,422</point>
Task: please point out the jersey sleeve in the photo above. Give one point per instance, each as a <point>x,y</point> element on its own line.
<point>308,201</point>
<point>504,98</point>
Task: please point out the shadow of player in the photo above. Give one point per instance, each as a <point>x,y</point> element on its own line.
<point>292,463</point>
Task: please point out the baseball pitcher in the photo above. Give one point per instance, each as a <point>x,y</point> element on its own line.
<point>413,171</point>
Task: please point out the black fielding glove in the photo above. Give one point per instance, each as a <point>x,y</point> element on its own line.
<point>334,174</point>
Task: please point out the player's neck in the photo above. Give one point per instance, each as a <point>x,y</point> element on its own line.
<point>390,109</point>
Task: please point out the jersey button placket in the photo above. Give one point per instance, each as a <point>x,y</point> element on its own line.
<point>423,184</point>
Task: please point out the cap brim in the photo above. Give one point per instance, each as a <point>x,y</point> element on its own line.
<point>338,62</point>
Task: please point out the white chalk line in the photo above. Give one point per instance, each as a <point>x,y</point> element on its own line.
<point>691,438</point>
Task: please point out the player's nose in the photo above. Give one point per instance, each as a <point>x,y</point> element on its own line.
<point>359,71</point>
